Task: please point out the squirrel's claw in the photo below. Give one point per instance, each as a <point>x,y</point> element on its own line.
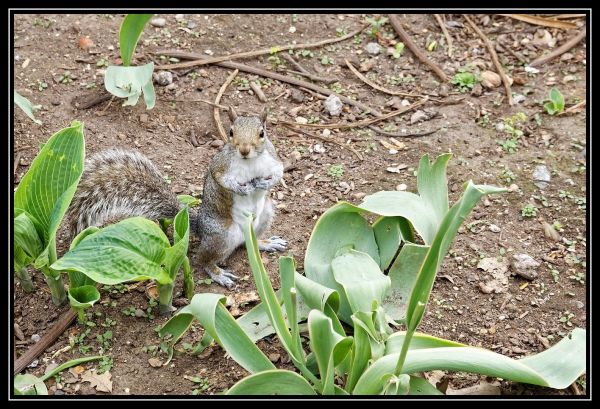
<point>274,243</point>
<point>224,278</point>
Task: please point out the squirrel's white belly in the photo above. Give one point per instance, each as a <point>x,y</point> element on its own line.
<point>253,203</point>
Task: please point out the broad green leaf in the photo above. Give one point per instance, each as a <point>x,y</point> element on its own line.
<point>83,297</point>
<point>272,382</point>
<point>82,235</point>
<point>388,235</point>
<point>557,367</point>
<point>26,236</point>
<point>189,201</point>
<point>440,245</point>
<point>27,384</point>
<point>77,279</point>
<point>26,106</point>
<point>315,295</point>
<point>129,34</point>
<point>130,82</point>
<point>329,347</point>
<point>130,250</point>
<point>418,341</point>
<point>433,185</point>
<point>210,311</point>
<point>361,353</point>
<point>47,188</point>
<point>175,255</point>
<point>420,386</point>
<point>339,227</point>
<point>557,99</point>
<point>362,280</point>
<point>403,275</point>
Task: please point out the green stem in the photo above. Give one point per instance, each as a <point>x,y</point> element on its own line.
<point>80,315</point>
<point>25,279</point>
<point>57,288</point>
<point>188,279</point>
<point>407,338</point>
<point>165,298</point>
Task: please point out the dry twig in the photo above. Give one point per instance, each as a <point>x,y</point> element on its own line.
<point>324,139</point>
<point>395,22</point>
<point>540,21</point>
<point>560,50</point>
<point>216,112</point>
<point>203,61</point>
<point>303,72</point>
<point>258,91</point>
<point>494,56</point>
<point>403,135</point>
<point>446,33</point>
<point>374,85</point>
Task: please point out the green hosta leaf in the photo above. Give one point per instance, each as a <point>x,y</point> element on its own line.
<point>77,279</point>
<point>362,280</point>
<point>130,83</point>
<point>26,106</point>
<point>403,275</point>
<point>129,34</point>
<point>272,382</point>
<point>47,188</point>
<point>132,249</point>
<point>25,235</point>
<point>83,297</point>
<point>557,99</point>
<point>556,367</point>
<point>175,255</point>
<point>329,347</point>
<point>549,106</point>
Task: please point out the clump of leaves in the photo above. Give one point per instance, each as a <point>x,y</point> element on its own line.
<point>398,50</point>
<point>131,82</point>
<point>376,24</point>
<point>529,210</point>
<point>555,104</point>
<point>464,80</point>
<point>336,171</point>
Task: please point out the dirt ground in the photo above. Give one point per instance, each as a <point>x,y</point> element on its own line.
<point>525,317</point>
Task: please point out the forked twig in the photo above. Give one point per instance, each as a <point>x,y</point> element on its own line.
<point>216,111</point>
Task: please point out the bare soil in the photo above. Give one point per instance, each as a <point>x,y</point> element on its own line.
<point>523,320</point>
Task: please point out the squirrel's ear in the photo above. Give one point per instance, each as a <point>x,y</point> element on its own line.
<point>232,113</point>
<point>263,115</point>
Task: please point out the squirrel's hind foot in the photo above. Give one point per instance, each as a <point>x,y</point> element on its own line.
<point>222,277</point>
<point>275,243</point>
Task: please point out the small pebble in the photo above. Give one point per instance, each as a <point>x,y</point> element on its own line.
<point>158,22</point>
<point>401,187</point>
<point>35,338</point>
<point>373,48</point>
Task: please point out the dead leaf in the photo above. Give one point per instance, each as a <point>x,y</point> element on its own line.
<point>367,65</point>
<point>483,388</point>
<point>155,362</point>
<point>78,370</point>
<point>241,300</point>
<point>496,279</point>
<point>102,383</point>
<point>550,232</point>
<point>85,43</point>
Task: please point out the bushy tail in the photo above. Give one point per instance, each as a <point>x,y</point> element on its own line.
<point>117,184</point>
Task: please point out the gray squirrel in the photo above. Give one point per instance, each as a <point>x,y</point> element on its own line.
<point>117,184</point>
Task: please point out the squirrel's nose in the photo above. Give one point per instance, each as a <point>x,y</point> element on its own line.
<point>244,151</point>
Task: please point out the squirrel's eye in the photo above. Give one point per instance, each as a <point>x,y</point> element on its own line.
<point>231,132</point>
<point>262,133</point>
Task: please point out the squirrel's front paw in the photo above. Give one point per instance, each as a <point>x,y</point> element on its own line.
<point>262,183</point>
<point>274,243</point>
<point>246,188</point>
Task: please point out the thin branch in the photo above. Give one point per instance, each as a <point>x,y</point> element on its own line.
<point>362,123</point>
<point>446,33</point>
<point>304,73</point>
<point>47,340</point>
<point>16,164</point>
<point>324,139</point>
<point>511,52</point>
<point>203,61</point>
<point>403,135</point>
<point>395,22</point>
<point>560,50</point>
<point>540,21</point>
<point>259,93</point>
<point>574,109</point>
<point>374,85</point>
<point>494,56</point>
<point>216,112</point>
<point>283,78</point>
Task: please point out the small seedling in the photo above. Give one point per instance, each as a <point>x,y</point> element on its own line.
<point>206,281</point>
<point>336,87</point>
<point>304,53</point>
<point>542,200</point>
<point>555,274</point>
<point>358,39</point>
<point>326,60</point>
<point>566,318</point>
<point>398,50</point>
<point>340,32</point>
<point>579,277</point>
<point>202,384</point>
<point>376,25</point>
<point>507,176</point>
<point>464,80</point>
<point>102,62</point>
<point>66,78</point>
<point>432,46</point>
<point>509,145</point>
<point>529,210</point>
<point>555,104</point>
<point>105,365</point>
<point>41,85</point>
<point>336,171</point>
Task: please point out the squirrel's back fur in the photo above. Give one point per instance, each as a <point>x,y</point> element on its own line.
<point>117,184</point>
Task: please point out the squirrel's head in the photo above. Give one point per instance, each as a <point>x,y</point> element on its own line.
<point>248,133</point>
